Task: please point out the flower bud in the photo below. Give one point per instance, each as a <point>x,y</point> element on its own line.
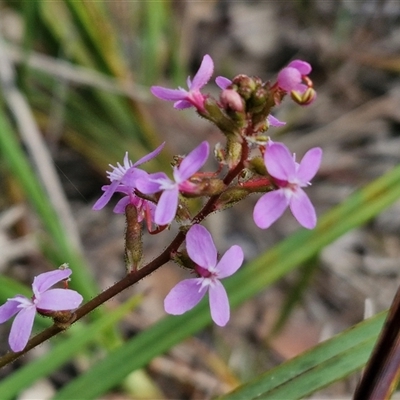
<point>63,319</point>
<point>245,85</point>
<point>133,239</point>
<point>231,100</point>
<point>258,100</point>
<point>218,116</point>
<point>211,186</point>
<point>234,151</point>
<point>230,197</point>
<point>182,258</point>
<point>257,165</point>
<point>219,153</point>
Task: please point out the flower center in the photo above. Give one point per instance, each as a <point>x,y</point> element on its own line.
<point>203,272</point>
<point>119,171</point>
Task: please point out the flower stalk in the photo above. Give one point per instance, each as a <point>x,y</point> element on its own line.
<point>243,114</point>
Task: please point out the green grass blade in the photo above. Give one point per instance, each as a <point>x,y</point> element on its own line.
<point>295,294</point>
<point>316,368</point>
<point>96,31</point>
<point>326,373</point>
<point>155,18</point>
<point>22,170</point>
<point>251,279</point>
<point>84,33</point>
<point>80,336</point>
<point>9,288</point>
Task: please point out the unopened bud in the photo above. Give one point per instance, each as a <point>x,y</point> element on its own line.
<point>258,100</point>
<point>182,258</point>
<point>218,116</point>
<point>219,153</point>
<point>62,319</point>
<point>231,100</point>
<point>230,197</point>
<point>133,239</point>
<point>212,186</point>
<point>245,85</point>
<point>257,165</point>
<point>234,152</point>
<point>204,186</point>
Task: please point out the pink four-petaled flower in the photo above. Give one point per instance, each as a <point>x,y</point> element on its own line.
<point>290,177</point>
<point>187,293</point>
<point>168,201</point>
<point>192,97</point>
<point>43,299</point>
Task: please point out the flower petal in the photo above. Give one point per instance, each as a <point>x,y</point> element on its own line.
<point>309,165</point>
<point>204,73</point>
<point>132,175</point>
<point>192,162</point>
<point>288,78</point>
<point>230,262</point>
<point>273,121</point>
<point>184,296</point>
<point>302,66</point>
<point>269,208</point>
<point>152,182</point>
<point>106,196</point>
<point>303,210</point>
<point>169,94</point>
<point>219,304</point>
<point>9,309</point>
<point>222,82</point>
<point>182,104</point>
<point>300,88</point>
<point>200,247</point>
<point>121,205</point>
<point>166,207</point>
<point>46,280</point>
<point>59,300</point>
<point>279,162</point>
<point>149,156</point>
<point>21,328</point>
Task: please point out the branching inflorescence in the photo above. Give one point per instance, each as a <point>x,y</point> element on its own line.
<point>243,114</point>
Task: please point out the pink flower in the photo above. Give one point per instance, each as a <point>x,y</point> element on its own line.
<point>124,177</point>
<point>43,299</point>
<point>290,177</point>
<point>168,202</point>
<point>186,294</point>
<point>292,78</point>
<point>192,97</point>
